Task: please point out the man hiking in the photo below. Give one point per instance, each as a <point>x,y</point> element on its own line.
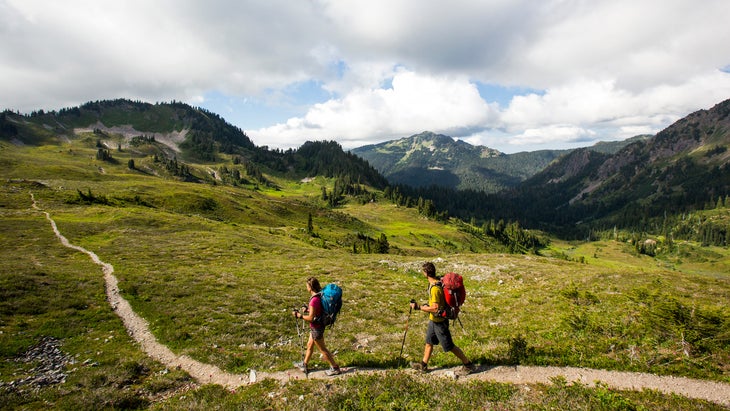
<point>316,330</point>
<point>438,327</point>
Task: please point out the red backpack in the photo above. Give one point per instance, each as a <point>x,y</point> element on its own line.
<point>454,294</point>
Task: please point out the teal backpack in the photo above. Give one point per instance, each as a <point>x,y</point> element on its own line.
<point>331,296</point>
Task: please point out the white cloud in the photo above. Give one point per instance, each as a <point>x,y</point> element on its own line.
<point>555,133</point>
<point>390,69</point>
<point>601,110</point>
<point>639,44</point>
<point>414,102</point>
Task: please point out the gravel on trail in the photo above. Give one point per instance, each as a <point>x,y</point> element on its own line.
<point>139,330</point>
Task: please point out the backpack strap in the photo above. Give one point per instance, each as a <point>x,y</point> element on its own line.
<point>440,285</point>
<point>318,319</point>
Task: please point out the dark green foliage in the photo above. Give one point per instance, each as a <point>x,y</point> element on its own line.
<point>326,158</point>
<point>511,234</point>
<point>254,172</point>
<point>345,186</point>
<point>178,169</point>
<point>141,140</point>
<point>518,350</point>
<point>701,228</point>
<point>7,128</point>
<point>364,244</point>
<point>89,198</point>
<point>200,146</point>
<point>104,155</point>
<point>514,237</point>
<point>208,135</point>
<point>715,151</point>
<point>699,329</point>
<point>382,244</point>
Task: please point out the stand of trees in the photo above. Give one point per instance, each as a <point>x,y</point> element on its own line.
<point>345,186</point>
<point>510,234</point>
<point>367,245</point>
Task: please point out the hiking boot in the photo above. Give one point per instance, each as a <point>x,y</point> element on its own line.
<point>333,371</point>
<point>302,367</point>
<point>420,366</point>
<point>467,369</point>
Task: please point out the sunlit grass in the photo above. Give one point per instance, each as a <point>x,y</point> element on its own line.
<point>216,270</point>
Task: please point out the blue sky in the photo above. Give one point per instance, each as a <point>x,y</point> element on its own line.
<point>512,75</point>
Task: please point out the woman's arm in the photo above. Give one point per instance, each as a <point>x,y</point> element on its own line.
<point>308,315</point>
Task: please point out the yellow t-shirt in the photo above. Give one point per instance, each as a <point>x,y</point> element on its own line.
<point>436,295</point>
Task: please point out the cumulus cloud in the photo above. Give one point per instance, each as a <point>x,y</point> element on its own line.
<point>414,102</point>
<point>553,133</point>
<point>597,69</point>
<point>601,109</point>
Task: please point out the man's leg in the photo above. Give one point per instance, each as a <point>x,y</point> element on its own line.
<point>427,351</point>
<point>460,354</point>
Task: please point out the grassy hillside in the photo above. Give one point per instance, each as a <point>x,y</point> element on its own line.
<point>216,268</point>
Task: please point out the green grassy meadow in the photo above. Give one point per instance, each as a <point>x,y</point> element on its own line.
<point>216,270</point>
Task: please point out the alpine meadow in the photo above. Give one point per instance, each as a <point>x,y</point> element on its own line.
<point>612,262</point>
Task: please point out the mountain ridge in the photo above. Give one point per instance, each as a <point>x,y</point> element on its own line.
<point>627,184</point>
<point>682,168</point>
<point>427,158</point>
<point>178,132</point>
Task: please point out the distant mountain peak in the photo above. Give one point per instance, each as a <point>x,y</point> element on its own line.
<point>429,158</point>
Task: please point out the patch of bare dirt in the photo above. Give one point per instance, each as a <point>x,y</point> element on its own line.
<point>171,139</point>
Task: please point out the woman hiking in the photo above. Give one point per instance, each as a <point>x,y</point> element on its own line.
<point>316,330</point>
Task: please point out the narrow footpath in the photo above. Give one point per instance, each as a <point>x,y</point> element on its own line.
<point>139,330</point>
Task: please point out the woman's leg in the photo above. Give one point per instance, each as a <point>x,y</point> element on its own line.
<point>310,349</point>
<point>327,354</point>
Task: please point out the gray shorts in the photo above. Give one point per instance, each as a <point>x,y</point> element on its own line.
<point>438,333</point>
<point>317,333</point>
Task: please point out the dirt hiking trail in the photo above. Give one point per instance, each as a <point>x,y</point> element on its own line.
<point>138,329</point>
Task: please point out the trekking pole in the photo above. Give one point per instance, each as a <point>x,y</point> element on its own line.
<point>301,337</point>
<point>410,310</point>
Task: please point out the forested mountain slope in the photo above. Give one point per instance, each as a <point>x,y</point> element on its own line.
<point>651,184</point>
<point>178,133</point>
<point>682,169</point>
<point>427,159</point>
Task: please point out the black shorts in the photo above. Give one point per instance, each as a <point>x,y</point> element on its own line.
<point>438,333</point>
